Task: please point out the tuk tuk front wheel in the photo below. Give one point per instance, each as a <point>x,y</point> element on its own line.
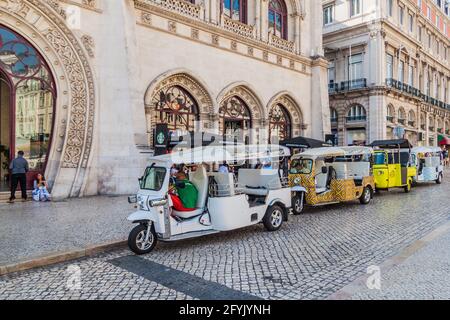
<point>273,220</point>
<point>439,179</point>
<point>298,203</point>
<point>139,243</point>
<point>408,187</point>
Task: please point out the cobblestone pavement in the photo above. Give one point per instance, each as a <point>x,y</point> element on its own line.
<point>33,229</point>
<point>312,256</point>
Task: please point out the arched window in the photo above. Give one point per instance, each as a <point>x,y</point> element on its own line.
<point>411,118</point>
<point>440,125</point>
<point>235,9</point>
<point>280,127</point>
<point>28,95</point>
<point>390,113</point>
<point>356,113</point>
<point>401,116</point>
<point>177,108</point>
<point>235,118</point>
<point>278,18</point>
<point>333,115</point>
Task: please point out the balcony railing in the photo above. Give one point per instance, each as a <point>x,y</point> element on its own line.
<point>403,87</point>
<point>411,123</point>
<point>390,118</point>
<point>179,6</point>
<point>239,27</point>
<point>422,126</point>
<point>281,43</point>
<point>447,131</point>
<point>392,83</point>
<point>431,128</point>
<point>333,87</point>
<point>402,121</point>
<point>356,118</point>
<point>354,84</point>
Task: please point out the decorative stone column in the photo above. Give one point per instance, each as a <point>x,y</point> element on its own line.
<point>320,114</point>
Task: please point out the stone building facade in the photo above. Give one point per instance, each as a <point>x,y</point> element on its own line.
<point>85,82</point>
<point>388,70</point>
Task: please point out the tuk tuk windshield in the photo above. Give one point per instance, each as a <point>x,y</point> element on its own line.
<point>153,178</point>
<point>301,166</point>
<point>379,158</point>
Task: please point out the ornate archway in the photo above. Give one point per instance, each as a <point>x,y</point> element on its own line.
<point>27,103</point>
<point>280,124</point>
<point>179,100</point>
<point>293,111</point>
<point>74,116</point>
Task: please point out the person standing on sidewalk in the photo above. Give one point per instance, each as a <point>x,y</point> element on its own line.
<point>19,167</point>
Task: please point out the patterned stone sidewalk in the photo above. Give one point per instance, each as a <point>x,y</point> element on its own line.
<point>311,257</point>
<point>33,229</point>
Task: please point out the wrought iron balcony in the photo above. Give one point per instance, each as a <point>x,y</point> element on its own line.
<point>333,87</point>
<point>411,123</point>
<point>403,87</point>
<point>392,83</point>
<point>390,118</point>
<point>431,128</point>
<point>402,121</point>
<point>354,84</point>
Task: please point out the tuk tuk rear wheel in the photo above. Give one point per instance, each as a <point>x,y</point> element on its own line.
<point>366,196</point>
<point>273,220</point>
<point>136,239</point>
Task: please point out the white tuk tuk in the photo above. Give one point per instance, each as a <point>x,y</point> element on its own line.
<point>224,202</point>
<point>429,164</point>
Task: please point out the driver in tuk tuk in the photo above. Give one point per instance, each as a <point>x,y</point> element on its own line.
<point>186,196</point>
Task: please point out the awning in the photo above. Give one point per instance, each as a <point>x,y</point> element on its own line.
<point>305,143</point>
<point>392,144</point>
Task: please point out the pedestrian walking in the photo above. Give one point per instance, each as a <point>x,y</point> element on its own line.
<point>19,168</point>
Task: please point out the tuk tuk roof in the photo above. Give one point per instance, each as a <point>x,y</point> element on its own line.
<point>392,144</point>
<point>334,152</point>
<point>425,150</point>
<point>219,154</point>
<point>303,142</point>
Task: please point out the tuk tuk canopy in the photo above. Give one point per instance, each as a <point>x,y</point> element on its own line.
<point>219,154</point>
<point>392,144</point>
<point>335,152</point>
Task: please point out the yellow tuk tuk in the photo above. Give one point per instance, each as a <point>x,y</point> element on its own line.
<point>330,175</point>
<point>393,166</point>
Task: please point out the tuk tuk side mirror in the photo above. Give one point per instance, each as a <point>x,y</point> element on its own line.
<point>324,170</point>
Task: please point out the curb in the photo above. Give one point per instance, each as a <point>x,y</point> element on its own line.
<point>54,258</point>
<point>359,284</point>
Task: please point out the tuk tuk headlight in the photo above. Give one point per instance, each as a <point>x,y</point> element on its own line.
<point>380,173</point>
<point>297,180</point>
<point>132,199</point>
<point>141,203</point>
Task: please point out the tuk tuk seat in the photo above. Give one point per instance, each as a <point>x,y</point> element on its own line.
<point>258,182</point>
<point>199,179</point>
